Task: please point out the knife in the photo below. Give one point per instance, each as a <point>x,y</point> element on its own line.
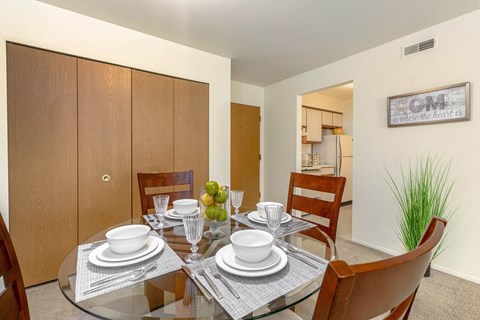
<point>205,292</point>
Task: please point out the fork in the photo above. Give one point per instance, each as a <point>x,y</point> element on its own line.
<point>130,278</point>
<point>145,268</point>
<point>217,275</point>
<point>200,271</point>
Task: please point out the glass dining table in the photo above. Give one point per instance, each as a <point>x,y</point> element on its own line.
<point>175,295</point>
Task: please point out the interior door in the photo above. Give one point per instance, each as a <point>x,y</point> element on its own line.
<point>152,128</point>
<point>245,152</point>
<point>104,146</point>
<point>42,159</point>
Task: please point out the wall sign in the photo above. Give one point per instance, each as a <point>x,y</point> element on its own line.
<point>445,104</point>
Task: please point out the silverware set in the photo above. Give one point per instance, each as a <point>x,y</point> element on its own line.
<point>200,270</point>
<point>216,274</point>
<point>124,277</point>
<point>95,245</point>
<point>298,254</point>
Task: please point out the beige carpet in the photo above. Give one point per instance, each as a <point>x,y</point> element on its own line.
<point>440,297</point>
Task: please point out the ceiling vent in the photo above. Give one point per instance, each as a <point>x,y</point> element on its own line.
<point>419,47</point>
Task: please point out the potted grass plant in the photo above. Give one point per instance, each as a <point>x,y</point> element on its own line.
<point>423,190</point>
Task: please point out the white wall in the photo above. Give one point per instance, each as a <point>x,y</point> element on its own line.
<point>251,95</point>
<point>377,74</point>
<point>40,25</point>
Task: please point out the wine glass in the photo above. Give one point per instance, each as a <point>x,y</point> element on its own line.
<point>161,204</point>
<point>193,224</point>
<point>237,197</point>
<point>274,215</point>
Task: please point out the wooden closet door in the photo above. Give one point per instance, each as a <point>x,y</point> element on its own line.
<point>104,146</point>
<point>42,158</point>
<point>191,130</point>
<point>152,128</point>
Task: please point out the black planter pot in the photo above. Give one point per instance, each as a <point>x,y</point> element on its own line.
<point>427,272</point>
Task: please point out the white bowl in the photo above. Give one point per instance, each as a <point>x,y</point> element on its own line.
<point>251,245</point>
<point>261,208</point>
<point>185,206</point>
<point>127,239</point>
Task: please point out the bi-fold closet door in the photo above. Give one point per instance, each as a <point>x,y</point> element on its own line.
<point>78,133</point>
<point>42,159</point>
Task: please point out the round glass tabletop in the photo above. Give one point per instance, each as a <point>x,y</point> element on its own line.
<point>175,295</point>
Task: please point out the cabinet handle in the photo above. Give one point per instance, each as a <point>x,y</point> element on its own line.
<point>105,178</point>
<point>155,172</point>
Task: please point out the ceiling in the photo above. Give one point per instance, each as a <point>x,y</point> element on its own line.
<point>271,40</point>
<point>344,91</point>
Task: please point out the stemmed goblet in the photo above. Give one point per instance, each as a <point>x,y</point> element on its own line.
<point>193,224</point>
<point>274,217</point>
<point>161,204</point>
<point>237,198</point>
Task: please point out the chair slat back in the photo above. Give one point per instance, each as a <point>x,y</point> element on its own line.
<point>13,299</point>
<point>150,181</point>
<point>322,208</point>
<point>364,291</point>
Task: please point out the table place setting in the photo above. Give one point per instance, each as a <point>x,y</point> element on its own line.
<point>254,270</point>
<point>174,216</point>
<point>131,254</point>
<point>258,220</point>
<point>154,221</point>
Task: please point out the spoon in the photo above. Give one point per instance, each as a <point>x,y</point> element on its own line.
<point>297,256</point>
<point>295,250</point>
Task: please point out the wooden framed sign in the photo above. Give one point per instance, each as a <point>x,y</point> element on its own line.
<point>444,104</point>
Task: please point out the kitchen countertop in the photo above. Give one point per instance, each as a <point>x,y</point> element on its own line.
<point>318,167</point>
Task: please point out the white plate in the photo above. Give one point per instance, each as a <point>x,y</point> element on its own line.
<point>253,216</point>
<point>257,216</point>
<point>171,214</point>
<point>94,260</point>
<point>251,274</point>
<point>231,260</point>
<point>104,253</point>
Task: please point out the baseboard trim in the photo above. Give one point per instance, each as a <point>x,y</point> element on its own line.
<point>455,273</point>
<point>435,266</point>
<point>373,246</point>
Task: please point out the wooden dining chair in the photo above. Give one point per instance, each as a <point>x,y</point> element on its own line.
<point>383,288</point>
<point>13,299</point>
<point>330,187</point>
<point>154,181</point>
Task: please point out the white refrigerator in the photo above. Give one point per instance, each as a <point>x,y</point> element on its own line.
<point>338,150</point>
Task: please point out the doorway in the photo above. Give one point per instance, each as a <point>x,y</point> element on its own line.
<point>245,152</point>
<point>327,142</point>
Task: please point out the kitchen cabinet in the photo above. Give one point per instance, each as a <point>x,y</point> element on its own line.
<point>327,118</point>
<point>304,117</point>
<point>337,120</point>
<point>332,119</point>
<point>314,125</point>
<point>42,159</point>
<point>104,146</point>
